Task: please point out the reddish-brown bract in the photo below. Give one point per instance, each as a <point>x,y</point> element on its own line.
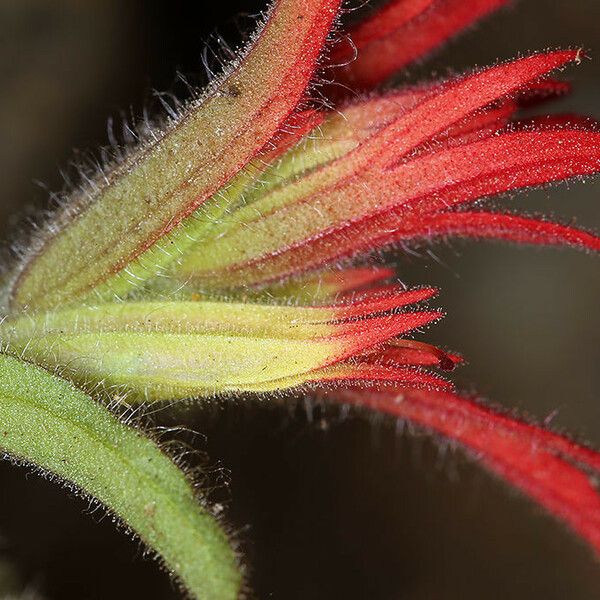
<point>167,180</point>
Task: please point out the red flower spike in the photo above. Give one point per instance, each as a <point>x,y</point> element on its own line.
<point>401,32</point>
<point>247,187</point>
<point>559,474</point>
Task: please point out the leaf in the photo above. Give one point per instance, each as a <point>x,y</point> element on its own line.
<point>46,422</point>
<point>108,245</point>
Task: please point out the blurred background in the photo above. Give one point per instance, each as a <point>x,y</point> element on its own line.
<point>325,506</point>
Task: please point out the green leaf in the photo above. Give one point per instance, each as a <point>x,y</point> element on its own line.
<point>47,422</point>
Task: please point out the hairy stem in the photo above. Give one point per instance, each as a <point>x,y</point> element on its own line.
<point>47,422</point>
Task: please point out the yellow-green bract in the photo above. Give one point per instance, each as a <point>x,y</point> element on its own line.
<point>171,350</point>
<point>48,422</point>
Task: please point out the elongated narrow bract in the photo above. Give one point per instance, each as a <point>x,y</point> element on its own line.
<point>390,181</point>
<point>552,470</point>
<point>512,228</point>
<point>401,32</point>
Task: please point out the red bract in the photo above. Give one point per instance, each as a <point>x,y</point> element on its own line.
<point>414,159</point>
<point>512,228</point>
<point>401,32</point>
<point>443,147</point>
<point>559,474</point>
<point>126,213</point>
<point>409,158</point>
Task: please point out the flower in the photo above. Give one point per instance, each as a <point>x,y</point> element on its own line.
<point>219,255</point>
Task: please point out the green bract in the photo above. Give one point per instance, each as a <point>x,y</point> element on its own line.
<point>172,350</point>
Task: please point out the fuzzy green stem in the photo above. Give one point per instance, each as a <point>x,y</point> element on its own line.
<point>47,422</point>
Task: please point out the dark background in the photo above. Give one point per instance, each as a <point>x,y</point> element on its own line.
<point>326,507</point>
